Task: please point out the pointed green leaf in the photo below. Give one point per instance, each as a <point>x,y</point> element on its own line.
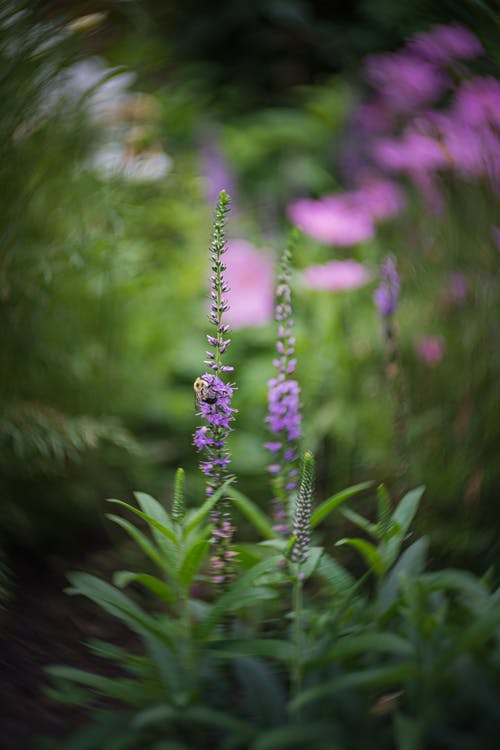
<point>335,575</point>
<point>368,551</point>
<point>310,565</point>
<point>168,533</point>
<point>196,516</point>
<point>402,519</point>
<point>366,678</point>
<point>160,589</point>
<point>256,517</point>
<point>328,506</point>
<point>271,648</point>
<point>411,563</point>
<point>192,561</point>
<point>362,522</point>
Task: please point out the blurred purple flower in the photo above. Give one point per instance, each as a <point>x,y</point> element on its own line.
<point>249,277</point>
<point>405,81</point>
<point>414,152</point>
<point>444,44</point>
<point>336,275</point>
<point>380,197</point>
<point>386,296</point>
<point>477,102</point>
<point>430,349</point>
<point>334,220</point>
<point>215,171</point>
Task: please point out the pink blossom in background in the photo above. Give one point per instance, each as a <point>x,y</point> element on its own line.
<point>379,197</point>
<point>336,276</point>
<point>414,152</point>
<point>405,81</point>
<point>444,44</point>
<point>334,220</point>
<point>249,276</point>
<point>216,173</point>
<point>430,349</point>
<point>477,102</point>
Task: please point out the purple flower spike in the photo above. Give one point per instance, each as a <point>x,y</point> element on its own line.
<point>283,417</point>
<point>213,400</point>
<point>386,297</point>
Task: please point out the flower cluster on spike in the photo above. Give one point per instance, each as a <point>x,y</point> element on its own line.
<point>283,417</point>
<point>303,507</point>
<point>216,410</point>
<point>386,298</point>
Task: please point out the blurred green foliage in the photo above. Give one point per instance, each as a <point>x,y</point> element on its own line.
<point>102,279</point>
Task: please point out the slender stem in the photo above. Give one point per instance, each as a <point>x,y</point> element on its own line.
<point>296,676</point>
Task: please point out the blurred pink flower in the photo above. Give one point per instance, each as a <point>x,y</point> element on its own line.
<point>405,81</point>
<point>414,152</point>
<point>249,276</point>
<point>379,197</point>
<point>336,276</point>
<point>477,102</point>
<point>430,349</point>
<point>334,220</point>
<point>443,44</point>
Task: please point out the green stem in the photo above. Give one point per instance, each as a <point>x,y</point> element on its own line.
<point>296,676</point>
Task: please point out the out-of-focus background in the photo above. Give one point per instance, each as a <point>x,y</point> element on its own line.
<point>374,126</point>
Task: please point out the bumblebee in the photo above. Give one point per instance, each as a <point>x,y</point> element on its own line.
<point>203,393</point>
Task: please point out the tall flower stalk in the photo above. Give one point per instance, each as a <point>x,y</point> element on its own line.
<point>386,298</point>
<point>283,417</point>
<point>214,404</point>
<point>299,553</point>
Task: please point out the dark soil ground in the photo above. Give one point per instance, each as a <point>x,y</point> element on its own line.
<point>41,625</point>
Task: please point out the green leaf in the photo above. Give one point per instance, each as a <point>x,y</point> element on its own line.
<point>168,533</point>
<point>366,643</point>
<point>116,603</point>
<point>243,591</point>
<point>256,517</point>
<point>379,677</point>
<point>310,565</point>
<point>361,522</point>
<point>313,735</point>
<point>220,719</point>
<point>271,648</point>
<point>160,589</point>
<point>335,575</point>
<point>263,695</point>
<point>249,554</point>
<point>121,689</point>
<point>154,715</point>
<point>484,628</point>
<point>383,511</point>
<point>141,539</point>
<point>194,517</point>
<point>192,562</point>
<point>411,563</point>
<point>408,732</point>
<point>402,519</point>
<point>154,509</point>
<point>369,552</point>
<point>328,506</point>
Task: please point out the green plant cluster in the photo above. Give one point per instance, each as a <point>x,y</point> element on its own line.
<point>398,657</point>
